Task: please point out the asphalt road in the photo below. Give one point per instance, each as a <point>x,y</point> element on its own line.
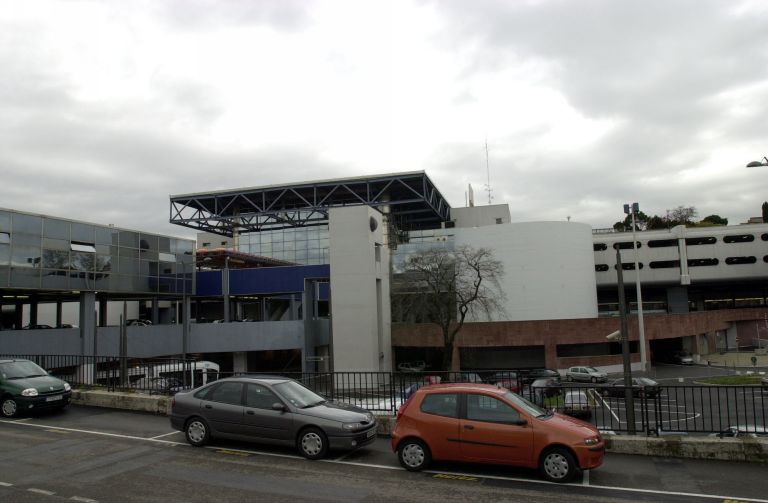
<point>101,455</point>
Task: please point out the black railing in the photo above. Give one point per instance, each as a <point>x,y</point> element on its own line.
<point>657,410</point>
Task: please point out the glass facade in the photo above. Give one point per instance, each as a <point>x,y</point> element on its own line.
<point>416,241</point>
<point>302,245</point>
<point>47,253</point>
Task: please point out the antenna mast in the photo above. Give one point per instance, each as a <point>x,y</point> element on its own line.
<point>488,171</point>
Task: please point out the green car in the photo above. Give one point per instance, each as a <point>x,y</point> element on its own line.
<point>25,387</point>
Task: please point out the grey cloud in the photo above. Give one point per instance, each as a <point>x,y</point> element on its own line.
<point>202,14</point>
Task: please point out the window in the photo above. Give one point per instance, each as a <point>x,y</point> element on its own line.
<point>599,246</point>
<point>82,247</point>
<point>664,264</point>
<point>489,409</point>
<point>739,238</point>
<point>440,404</point>
<point>498,221</point>
<point>625,245</point>
<point>5,238</point>
<point>206,245</point>
<point>601,267</point>
<point>700,262</point>
<point>167,257</point>
<point>630,266</point>
<point>740,260</point>
<point>259,397</point>
<point>660,243</point>
<point>227,392</point>
<point>700,241</point>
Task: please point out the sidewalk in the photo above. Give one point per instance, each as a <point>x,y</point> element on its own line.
<point>741,360</point>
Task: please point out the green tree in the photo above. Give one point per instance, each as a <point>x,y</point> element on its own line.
<point>714,220</point>
<point>682,215</point>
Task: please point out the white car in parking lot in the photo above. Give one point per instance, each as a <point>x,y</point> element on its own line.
<point>585,374</point>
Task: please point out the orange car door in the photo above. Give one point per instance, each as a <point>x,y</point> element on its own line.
<point>438,424</point>
<point>493,431</point>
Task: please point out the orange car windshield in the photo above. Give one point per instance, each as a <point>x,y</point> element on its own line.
<point>524,404</point>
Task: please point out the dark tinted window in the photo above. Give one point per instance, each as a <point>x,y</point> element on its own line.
<point>227,392</point>
<point>601,267</point>
<point>739,238</point>
<point>259,397</point>
<point>625,245</point>
<point>630,266</point>
<point>700,241</point>
<point>440,404</point>
<point>599,246</point>
<point>740,260</point>
<point>700,262</point>
<point>664,264</point>
<point>490,409</point>
<point>660,243</point>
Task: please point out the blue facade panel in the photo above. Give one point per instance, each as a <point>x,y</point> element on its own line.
<point>262,281</point>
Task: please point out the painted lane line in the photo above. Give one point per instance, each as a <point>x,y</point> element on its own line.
<point>387,467</point>
<point>100,433</point>
<point>164,435</point>
<point>585,478</point>
<point>83,500</point>
<point>5,484</point>
<point>41,491</point>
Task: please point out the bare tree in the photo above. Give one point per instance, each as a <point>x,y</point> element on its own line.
<point>445,287</point>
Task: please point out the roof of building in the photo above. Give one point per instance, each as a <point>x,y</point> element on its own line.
<point>410,198</point>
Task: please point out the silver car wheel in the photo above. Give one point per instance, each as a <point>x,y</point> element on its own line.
<point>311,443</point>
<point>556,465</point>
<point>196,431</point>
<point>9,408</point>
<point>413,455</point>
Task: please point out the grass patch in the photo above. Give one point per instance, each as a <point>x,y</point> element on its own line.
<point>753,379</point>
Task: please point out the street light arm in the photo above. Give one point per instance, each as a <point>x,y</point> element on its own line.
<point>756,164</point>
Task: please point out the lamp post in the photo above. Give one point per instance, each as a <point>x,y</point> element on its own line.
<point>623,334</point>
<point>225,279</point>
<point>757,164</point>
<point>632,210</point>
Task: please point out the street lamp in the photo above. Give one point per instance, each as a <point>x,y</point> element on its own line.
<point>633,210</point>
<point>757,164</point>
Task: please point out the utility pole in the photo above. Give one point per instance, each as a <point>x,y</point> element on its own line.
<point>629,399</point>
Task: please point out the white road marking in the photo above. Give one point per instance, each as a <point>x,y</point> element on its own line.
<point>84,500</point>
<point>5,484</point>
<point>388,467</point>
<point>165,435</point>
<point>605,404</point>
<point>41,491</point>
<point>585,478</point>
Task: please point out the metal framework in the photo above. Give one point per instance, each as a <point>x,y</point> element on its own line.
<point>412,200</point>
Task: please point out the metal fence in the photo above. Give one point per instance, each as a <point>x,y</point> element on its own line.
<point>674,408</point>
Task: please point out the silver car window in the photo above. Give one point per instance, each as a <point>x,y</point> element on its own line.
<point>259,397</point>
<point>227,392</point>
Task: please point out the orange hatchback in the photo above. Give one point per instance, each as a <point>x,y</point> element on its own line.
<point>481,423</point>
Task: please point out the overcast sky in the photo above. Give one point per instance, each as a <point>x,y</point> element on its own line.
<point>107,107</point>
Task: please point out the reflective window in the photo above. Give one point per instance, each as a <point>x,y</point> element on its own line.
<point>5,238</point>
<point>440,404</point>
<point>55,279</point>
<point>259,397</point>
<point>227,392</point>
<point>167,257</point>
<point>129,239</point>
<point>25,278</point>
<point>26,256</point>
<point>53,228</point>
<point>83,232</point>
<point>129,266</point>
<point>5,255</point>
<point>148,242</point>
<point>27,224</point>
<point>82,261</point>
<point>56,244</point>
<point>106,236</point>
<point>5,221</point>
<point>82,247</point>
<point>103,263</point>
<point>490,409</point>
<point>55,259</point>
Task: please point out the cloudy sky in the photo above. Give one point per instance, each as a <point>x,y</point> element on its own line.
<point>107,107</point>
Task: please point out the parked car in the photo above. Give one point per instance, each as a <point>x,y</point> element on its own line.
<point>742,431</point>
<point>541,389</point>
<point>682,358</point>
<point>576,404</point>
<point>158,385</point>
<point>764,382</point>
<point>534,374</point>
<point>38,326</point>
<point>476,423</point>
<point>415,366</point>
<point>585,374</point>
<point>25,387</point>
<point>271,410</point>
<point>136,322</point>
<point>641,386</point>
<point>506,379</point>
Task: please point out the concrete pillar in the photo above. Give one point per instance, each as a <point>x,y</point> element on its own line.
<point>155,311</point>
<point>87,323</point>
<point>18,315</point>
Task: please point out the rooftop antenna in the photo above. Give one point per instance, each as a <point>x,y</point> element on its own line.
<point>488,171</point>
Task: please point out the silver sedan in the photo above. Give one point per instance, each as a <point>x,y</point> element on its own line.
<point>271,410</point>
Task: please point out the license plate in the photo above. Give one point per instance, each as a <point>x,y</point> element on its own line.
<point>53,398</point>
<point>371,433</point>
